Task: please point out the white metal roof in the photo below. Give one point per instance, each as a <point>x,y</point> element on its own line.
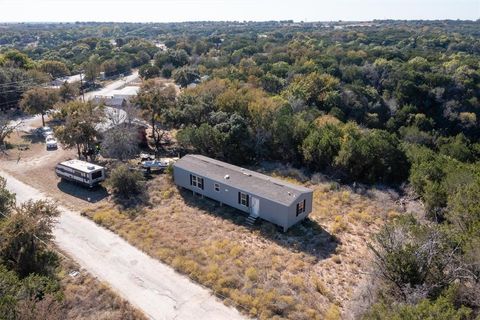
<point>81,165</point>
<point>127,91</point>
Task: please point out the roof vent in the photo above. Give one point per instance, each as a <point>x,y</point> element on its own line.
<point>226,177</point>
<point>247,174</point>
<point>90,167</point>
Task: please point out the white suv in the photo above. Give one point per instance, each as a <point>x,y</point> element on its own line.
<point>51,142</point>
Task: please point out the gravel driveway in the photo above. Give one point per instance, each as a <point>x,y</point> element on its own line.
<point>147,284</point>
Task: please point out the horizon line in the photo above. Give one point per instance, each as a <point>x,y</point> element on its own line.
<point>240,21</point>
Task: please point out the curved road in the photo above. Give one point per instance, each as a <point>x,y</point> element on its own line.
<point>147,284</point>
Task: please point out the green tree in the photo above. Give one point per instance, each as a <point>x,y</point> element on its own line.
<point>17,59</point>
<point>442,308</point>
<point>56,69</point>
<point>7,199</point>
<point>204,139</point>
<point>79,129</point>
<point>148,71</point>
<point>463,211</point>
<point>92,68</point>
<point>371,156</point>
<point>39,101</point>
<point>316,89</point>
<point>321,146</point>
<point>185,76</point>
<point>25,236</point>
<point>126,183</point>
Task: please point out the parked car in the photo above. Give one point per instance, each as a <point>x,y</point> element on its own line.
<point>160,164</point>
<point>45,131</point>
<point>146,157</point>
<point>51,142</point>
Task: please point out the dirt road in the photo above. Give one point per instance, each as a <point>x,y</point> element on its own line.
<point>147,284</point>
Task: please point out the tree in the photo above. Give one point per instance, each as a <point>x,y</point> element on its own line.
<point>25,236</point>
<point>443,308</point>
<point>79,129</point>
<point>13,83</point>
<point>7,127</point>
<point>463,211</point>
<point>121,142</point>
<point>7,199</point>
<point>68,91</point>
<point>32,297</point>
<point>178,58</point>
<point>56,69</point>
<point>371,156</point>
<point>186,75</point>
<point>204,139</point>
<point>126,183</point>
<point>17,59</point>
<point>315,89</point>
<point>322,146</point>
<point>148,71</point>
<point>92,68</point>
<point>155,98</point>
<point>414,259</point>
<point>39,101</point>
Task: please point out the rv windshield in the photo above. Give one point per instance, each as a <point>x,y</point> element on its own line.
<point>96,174</point>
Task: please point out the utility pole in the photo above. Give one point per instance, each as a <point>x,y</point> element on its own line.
<point>81,86</point>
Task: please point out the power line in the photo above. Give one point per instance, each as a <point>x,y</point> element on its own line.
<point>5,103</point>
<point>15,82</point>
<point>10,91</point>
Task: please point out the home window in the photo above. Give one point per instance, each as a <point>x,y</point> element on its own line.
<point>196,181</point>
<point>300,207</point>
<point>216,186</point>
<point>243,199</point>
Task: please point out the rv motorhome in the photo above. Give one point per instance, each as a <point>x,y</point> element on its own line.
<point>85,173</point>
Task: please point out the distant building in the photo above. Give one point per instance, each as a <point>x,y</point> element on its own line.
<point>117,98</point>
<point>70,79</point>
<point>259,195</point>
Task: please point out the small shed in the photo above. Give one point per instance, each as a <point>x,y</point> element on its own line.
<point>259,195</point>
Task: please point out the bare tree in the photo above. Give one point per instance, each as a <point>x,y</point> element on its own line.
<point>7,127</point>
<point>121,142</point>
<point>415,260</point>
<point>154,98</point>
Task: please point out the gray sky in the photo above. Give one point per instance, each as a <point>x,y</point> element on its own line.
<point>194,10</point>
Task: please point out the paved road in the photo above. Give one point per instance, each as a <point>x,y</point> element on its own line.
<point>117,84</point>
<point>151,286</point>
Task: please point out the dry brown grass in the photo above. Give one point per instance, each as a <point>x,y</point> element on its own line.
<point>86,298</point>
<point>310,272</point>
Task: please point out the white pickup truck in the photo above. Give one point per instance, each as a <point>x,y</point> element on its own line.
<point>160,164</point>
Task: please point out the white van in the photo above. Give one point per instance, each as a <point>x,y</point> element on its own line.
<point>85,173</point>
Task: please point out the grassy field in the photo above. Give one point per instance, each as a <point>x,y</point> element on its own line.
<point>310,272</point>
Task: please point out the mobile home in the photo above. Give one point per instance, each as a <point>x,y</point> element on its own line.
<point>84,173</point>
<point>259,195</point>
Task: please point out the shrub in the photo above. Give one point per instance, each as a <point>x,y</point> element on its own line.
<point>126,183</point>
<point>251,274</point>
<point>372,156</point>
<point>441,309</point>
